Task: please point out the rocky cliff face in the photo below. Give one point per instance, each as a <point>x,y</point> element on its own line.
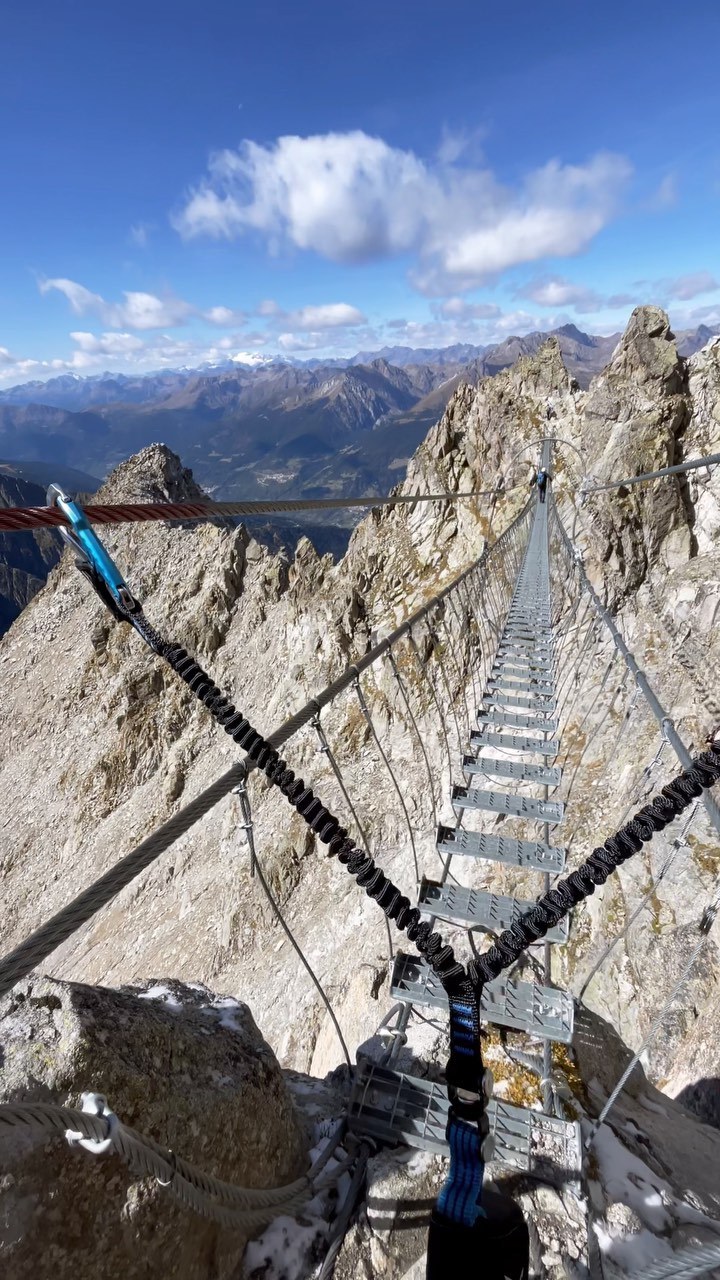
<point>102,744</point>
<point>25,558</point>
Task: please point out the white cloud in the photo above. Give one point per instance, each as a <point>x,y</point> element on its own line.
<point>109,344</point>
<point>461,142</point>
<point>223,316</point>
<point>666,194</point>
<point>138,311</point>
<point>709,315</point>
<point>140,234</point>
<point>352,198</point>
<point>459,309</point>
<point>301,342</point>
<point>95,353</point>
<point>349,197</point>
<point>145,311</point>
<point>554,291</point>
<point>330,315</point>
<point>689,286</point>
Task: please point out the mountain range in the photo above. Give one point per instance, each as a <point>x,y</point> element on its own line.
<point>274,429</point>
<point>25,558</point>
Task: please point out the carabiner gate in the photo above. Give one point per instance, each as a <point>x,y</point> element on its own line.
<point>92,559</point>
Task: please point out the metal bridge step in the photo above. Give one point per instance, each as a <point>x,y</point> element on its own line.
<point>505,1002</point>
<point>543,688</point>
<point>525,637</point>
<point>397,1108</point>
<point>507,803</point>
<point>522,666</point>
<point>509,742</point>
<point>541,702</point>
<point>477,908</point>
<point>523,651</point>
<point>516,721</point>
<point>535,630</point>
<point>547,775</point>
<point>533,855</point>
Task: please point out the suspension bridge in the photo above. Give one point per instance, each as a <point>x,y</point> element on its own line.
<point>524,629</point>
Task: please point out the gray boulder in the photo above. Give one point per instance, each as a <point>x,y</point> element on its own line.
<point>177,1064</point>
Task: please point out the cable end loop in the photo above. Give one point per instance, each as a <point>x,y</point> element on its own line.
<point>94,1104</point>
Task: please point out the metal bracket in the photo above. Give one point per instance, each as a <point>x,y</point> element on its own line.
<point>545,1012</point>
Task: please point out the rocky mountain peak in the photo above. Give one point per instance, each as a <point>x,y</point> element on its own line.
<point>544,372</point>
<point>647,352</point>
<point>155,474</point>
<point>577,335</point>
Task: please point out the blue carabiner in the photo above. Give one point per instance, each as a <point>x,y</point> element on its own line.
<point>94,560</point>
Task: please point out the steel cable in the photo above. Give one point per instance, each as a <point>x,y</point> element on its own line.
<point>328,752</point>
<point>381,751</point>
<point>230,1205</point>
<point>250,835</point>
<point>607,951</point>
<point>18,519</point>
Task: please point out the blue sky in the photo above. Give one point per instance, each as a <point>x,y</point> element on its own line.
<point>183,182</point>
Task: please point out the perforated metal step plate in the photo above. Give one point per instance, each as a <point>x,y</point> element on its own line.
<point>476,907</point>
<point>507,803</point>
<point>524,648</point>
<point>397,1108</point>
<point>501,698</point>
<point>534,855</point>
<point>543,688</point>
<point>510,742</point>
<point>520,652</point>
<point>516,721</point>
<point>520,631</point>
<point>524,638</point>
<point>522,666</point>
<point>538,1011</point>
<point>487,766</point>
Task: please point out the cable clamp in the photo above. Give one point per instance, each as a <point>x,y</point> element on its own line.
<point>317,726</point>
<point>709,916</point>
<point>173,1170</point>
<point>94,1104</point>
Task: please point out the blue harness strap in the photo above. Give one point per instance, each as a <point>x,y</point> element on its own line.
<point>465,1068</point>
<point>460,1195</point>
<point>473,1233</point>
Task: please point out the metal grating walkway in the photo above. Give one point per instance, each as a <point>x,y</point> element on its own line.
<point>537,746</point>
<point>508,804</point>
<point>545,775</point>
<point>516,720</point>
<point>510,721</point>
<point>478,909</point>
<point>394,1107</point>
<point>533,855</point>
<point>544,1012</point>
